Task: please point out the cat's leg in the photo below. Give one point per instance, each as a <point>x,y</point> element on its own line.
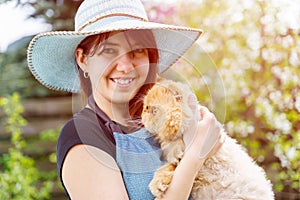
<point>173,151</point>
<point>162,179</point>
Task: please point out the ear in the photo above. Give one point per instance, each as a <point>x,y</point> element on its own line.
<point>81,59</point>
<point>178,97</point>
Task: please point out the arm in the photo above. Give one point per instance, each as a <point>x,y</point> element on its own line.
<point>198,148</point>
<point>183,178</point>
<point>92,170</point>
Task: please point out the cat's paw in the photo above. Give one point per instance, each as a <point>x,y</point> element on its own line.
<point>161,180</point>
<point>176,159</point>
<point>174,151</point>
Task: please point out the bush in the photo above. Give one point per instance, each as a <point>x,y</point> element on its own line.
<point>20,179</point>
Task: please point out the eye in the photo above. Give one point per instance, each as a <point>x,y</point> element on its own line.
<point>139,52</point>
<point>151,109</point>
<point>108,50</point>
<point>111,51</point>
<point>154,110</point>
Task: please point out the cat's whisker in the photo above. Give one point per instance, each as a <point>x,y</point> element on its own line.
<point>141,98</point>
<point>137,122</point>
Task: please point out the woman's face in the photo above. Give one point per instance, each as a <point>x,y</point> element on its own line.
<point>117,69</point>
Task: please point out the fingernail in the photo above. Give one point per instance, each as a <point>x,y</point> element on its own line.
<point>223,138</point>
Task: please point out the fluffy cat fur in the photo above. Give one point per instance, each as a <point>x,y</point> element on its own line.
<point>229,174</point>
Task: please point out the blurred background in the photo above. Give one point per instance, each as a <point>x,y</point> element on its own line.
<point>245,68</point>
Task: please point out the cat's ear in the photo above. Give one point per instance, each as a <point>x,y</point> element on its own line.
<point>178,97</point>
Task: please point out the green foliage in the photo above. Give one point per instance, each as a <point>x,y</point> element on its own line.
<point>20,179</point>
<point>254,50</point>
<point>14,73</point>
<point>60,15</point>
<point>50,135</point>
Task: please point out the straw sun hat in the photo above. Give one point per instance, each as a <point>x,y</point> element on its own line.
<point>51,55</point>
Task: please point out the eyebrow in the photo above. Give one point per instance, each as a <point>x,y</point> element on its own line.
<point>134,45</point>
<point>110,43</point>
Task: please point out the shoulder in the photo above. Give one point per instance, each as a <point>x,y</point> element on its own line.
<point>83,128</point>
<point>97,166</point>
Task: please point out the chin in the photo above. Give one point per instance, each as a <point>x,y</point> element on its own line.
<point>122,98</point>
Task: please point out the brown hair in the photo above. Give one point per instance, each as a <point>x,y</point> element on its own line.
<point>91,44</point>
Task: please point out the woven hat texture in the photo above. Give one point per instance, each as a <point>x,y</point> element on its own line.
<point>51,55</point>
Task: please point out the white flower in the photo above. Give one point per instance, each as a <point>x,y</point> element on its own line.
<point>291,153</point>
<point>297,103</point>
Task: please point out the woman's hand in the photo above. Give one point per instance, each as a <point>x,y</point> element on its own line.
<point>204,136</point>
<point>202,139</point>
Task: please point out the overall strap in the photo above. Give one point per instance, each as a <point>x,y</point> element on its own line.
<point>109,125</point>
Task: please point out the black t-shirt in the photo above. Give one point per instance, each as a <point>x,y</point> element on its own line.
<point>86,127</point>
<point>91,126</point>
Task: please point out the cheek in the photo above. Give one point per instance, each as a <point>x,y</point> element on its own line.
<point>97,69</point>
<point>144,72</point>
<point>95,76</point>
<point>142,61</point>
<point>143,68</point>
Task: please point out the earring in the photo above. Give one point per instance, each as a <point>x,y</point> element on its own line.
<point>85,74</point>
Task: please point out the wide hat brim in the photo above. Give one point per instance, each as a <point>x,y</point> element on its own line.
<point>51,55</point>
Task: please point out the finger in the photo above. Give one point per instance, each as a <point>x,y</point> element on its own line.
<point>215,149</point>
<point>223,138</point>
<point>194,106</point>
<point>211,139</point>
<point>204,112</point>
<point>192,101</point>
<point>219,144</point>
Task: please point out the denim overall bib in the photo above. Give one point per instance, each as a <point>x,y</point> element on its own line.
<point>138,156</point>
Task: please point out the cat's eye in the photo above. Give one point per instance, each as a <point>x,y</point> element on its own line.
<point>154,110</point>
<point>151,109</point>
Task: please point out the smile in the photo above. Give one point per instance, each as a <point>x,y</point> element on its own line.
<point>121,81</point>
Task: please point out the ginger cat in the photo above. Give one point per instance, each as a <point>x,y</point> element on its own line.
<point>229,174</point>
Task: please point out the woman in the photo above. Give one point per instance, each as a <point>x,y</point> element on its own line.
<point>113,56</point>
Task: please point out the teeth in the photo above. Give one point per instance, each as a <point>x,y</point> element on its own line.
<point>123,81</point>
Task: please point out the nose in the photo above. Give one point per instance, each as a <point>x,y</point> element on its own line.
<point>125,63</point>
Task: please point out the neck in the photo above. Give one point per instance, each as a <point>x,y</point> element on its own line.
<point>118,112</point>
